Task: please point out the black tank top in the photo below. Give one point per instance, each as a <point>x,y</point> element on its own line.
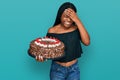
<point>72,43</point>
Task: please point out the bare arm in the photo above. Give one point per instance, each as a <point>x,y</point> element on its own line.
<point>85,38</point>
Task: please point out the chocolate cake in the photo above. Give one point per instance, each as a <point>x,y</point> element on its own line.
<point>47,47</point>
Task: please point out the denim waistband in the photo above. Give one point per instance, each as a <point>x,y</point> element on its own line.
<point>54,62</point>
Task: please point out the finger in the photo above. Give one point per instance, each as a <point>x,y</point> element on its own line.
<point>37,58</point>
<point>67,13</point>
<point>71,10</point>
<point>41,58</point>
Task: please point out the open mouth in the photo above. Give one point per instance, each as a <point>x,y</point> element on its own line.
<point>67,23</point>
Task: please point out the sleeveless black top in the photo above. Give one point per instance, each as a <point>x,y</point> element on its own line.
<point>72,43</point>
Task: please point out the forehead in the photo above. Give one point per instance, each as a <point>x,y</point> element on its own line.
<point>64,13</point>
<point>68,9</point>
<point>65,10</point>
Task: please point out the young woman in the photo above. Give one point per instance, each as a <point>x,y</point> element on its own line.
<point>69,29</point>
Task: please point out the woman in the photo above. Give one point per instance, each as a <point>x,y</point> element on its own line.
<point>69,29</point>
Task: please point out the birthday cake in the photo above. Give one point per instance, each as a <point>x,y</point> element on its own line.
<point>47,47</point>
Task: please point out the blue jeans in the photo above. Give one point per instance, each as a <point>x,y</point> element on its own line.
<point>59,72</point>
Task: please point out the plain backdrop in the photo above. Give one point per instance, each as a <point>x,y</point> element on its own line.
<point>24,20</point>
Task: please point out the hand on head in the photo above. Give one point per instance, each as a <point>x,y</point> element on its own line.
<point>71,13</point>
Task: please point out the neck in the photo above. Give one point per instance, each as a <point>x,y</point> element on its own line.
<point>65,28</point>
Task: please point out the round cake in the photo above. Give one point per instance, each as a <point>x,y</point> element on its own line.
<point>47,47</point>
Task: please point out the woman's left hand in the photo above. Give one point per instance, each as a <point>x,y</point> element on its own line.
<point>72,14</point>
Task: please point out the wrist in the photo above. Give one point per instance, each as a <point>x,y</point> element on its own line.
<point>78,22</point>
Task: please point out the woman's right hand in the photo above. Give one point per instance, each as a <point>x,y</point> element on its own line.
<point>40,58</point>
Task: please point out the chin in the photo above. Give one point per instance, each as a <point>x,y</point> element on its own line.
<point>67,26</point>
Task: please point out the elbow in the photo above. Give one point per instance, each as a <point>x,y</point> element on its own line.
<point>86,40</point>
<point>86,43</point>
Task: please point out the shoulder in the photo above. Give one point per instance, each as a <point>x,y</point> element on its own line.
<point>52,29</point>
